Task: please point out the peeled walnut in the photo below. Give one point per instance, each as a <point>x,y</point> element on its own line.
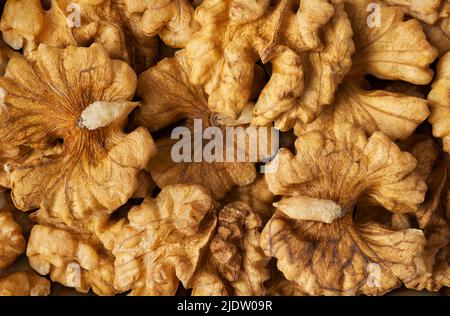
<point>433,268</point>
<point>9,153</point>
<point>25,24</point>
<point>168,97</point>
<point>440,102</point>
<point>323,72</point>
<point>425,10</point>
<point>75,112</point>
<point>433,271</point>
<point>396,50</point>
<point>234,35</point>
<point>360,204</point>
<point>12,242</point>
<point>312,234</point>
<point>171,20</point>
<point>234,263</point>
<point>424,149</point>
<point>19,265</point>
<point>24,284</point>
<point>161,241</point>
<point>74,260</point>
<point>257,195</point>
<point>439,33</point>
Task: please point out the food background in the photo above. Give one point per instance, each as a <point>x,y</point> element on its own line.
<point>93,203</point>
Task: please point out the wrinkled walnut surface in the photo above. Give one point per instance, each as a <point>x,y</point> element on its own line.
<point>105,191</point>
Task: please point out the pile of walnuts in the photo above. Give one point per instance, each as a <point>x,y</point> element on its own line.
<point>92,201</point>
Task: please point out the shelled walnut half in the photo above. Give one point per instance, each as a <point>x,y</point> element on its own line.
<point>12,242</point>
<point>169,99</point>
<point>24,284</point>
<point>172,20</point>
<point>161,241</point>
<point>234,263</point>
<point>305,69</point>
<point>72,104</point>
<point>312,233</point>
<point>396,50</point>
<point>440,102</point>
<point>74,260</point>
<point>26,24</point>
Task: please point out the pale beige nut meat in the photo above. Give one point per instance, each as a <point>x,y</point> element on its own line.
<point>168,97</point>
<point>395,50</point>
<point>440,102</point>
<point>24,284</point>
<point>312,233</point>
<point>161,242</point>
<point>234,263</point>
<point>234,35</point>
<point>74,260</point>
<point>72,102</point>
